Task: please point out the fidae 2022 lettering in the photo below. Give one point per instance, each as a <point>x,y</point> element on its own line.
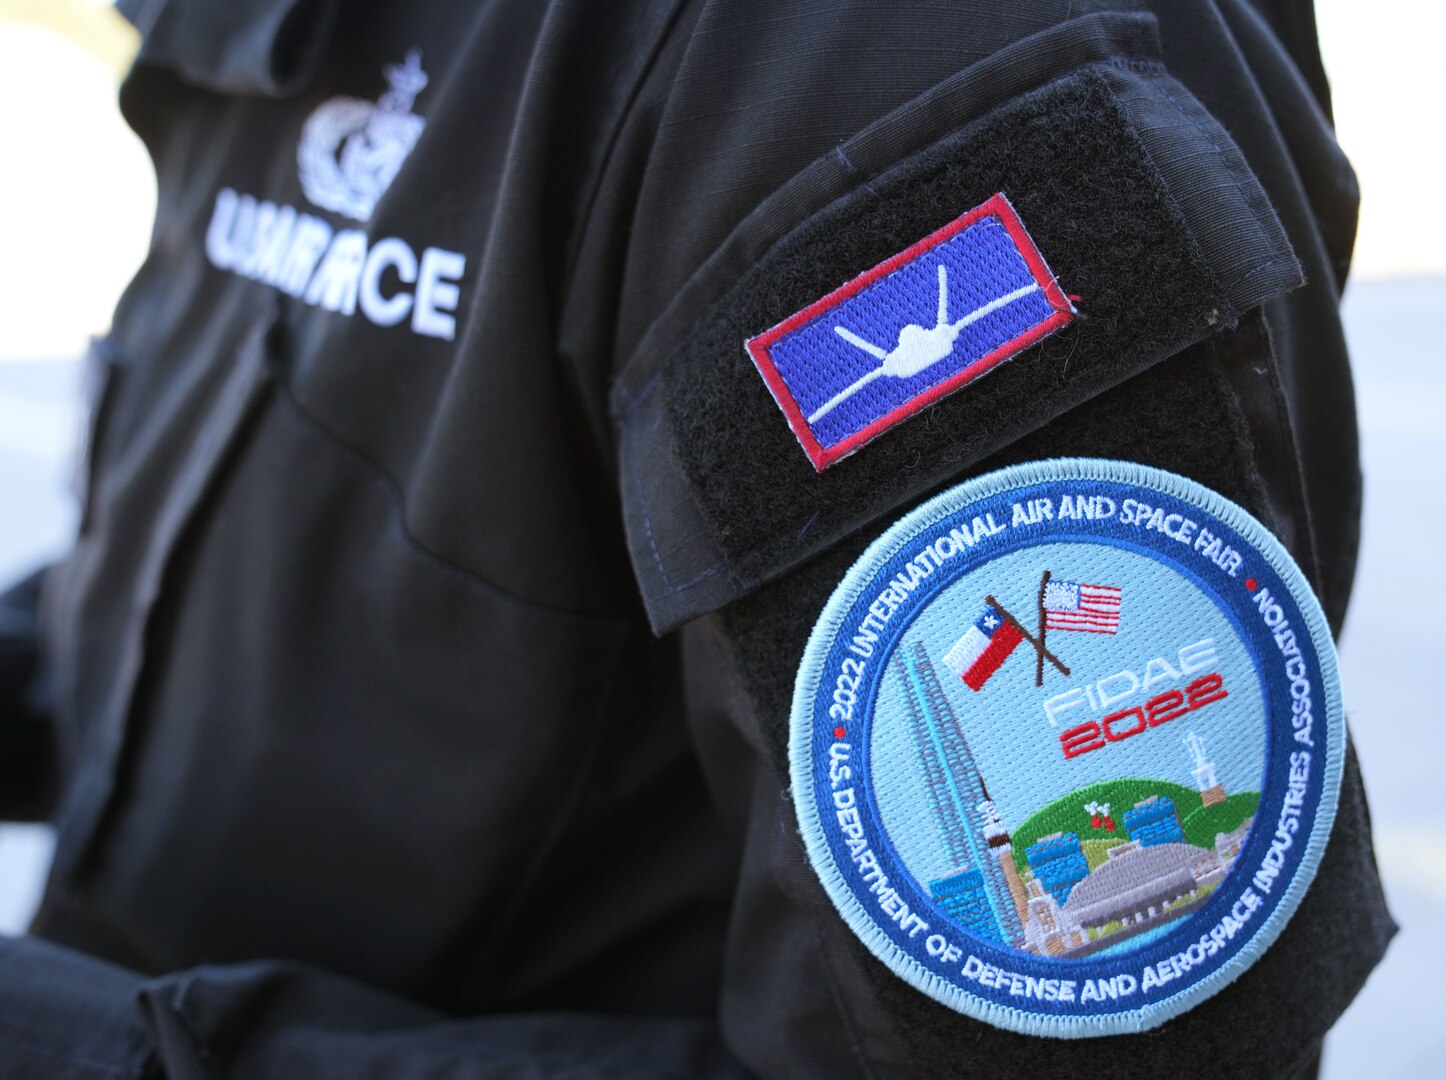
<point>1127,723</point>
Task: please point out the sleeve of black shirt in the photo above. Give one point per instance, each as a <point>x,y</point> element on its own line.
<point>1182,178</point>
<point>68,1016</point>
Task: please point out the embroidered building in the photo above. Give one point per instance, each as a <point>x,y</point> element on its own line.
<point>964,896</point>
<point>955,794</point>
<point>1046,931</point>
<point>1154,821</point>
<point>1138,887</point>
<point>1058,863</point>
<point>1228,845</point>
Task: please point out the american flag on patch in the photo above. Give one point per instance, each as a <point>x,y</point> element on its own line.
<point>1074,605</point>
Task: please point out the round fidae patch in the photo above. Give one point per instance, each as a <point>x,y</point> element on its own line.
<point>1066,746</point>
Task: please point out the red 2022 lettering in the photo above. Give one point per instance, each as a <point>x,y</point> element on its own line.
<point>1122,725</point>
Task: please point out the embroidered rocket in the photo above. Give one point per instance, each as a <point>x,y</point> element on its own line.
<point>915,328</point>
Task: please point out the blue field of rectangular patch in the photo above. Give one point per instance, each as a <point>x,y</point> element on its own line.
<point>918,326</point>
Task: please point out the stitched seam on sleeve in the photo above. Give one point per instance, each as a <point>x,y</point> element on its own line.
<point>635,473</point>
<point>625,112</point>
<point>1173,92</point>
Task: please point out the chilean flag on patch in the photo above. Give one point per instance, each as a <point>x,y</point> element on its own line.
<point>918,326</point>
<point>984,646</point>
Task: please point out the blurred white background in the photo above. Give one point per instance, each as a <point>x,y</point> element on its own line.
<point>75,205</point>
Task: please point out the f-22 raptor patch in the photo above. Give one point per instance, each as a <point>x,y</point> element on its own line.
<point>860,360</point>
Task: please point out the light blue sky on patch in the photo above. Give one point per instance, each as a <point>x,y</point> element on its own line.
<point>1014,744</point>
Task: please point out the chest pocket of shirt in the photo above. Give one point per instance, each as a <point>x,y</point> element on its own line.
<point>343,747</point>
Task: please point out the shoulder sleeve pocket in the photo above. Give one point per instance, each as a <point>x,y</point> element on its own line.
<point>1141,204</point>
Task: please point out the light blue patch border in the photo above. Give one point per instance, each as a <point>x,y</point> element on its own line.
<point>802,744</point>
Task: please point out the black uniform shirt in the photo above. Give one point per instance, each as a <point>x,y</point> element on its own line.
<point>428,410</point>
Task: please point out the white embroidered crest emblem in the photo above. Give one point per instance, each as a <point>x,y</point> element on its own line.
<point>351,150</point>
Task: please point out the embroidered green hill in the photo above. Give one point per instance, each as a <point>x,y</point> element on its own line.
<point>1067,814</point>
<point>1203,825</point>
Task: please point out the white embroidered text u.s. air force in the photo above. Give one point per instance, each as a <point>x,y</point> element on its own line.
<point>349,153</point>
<point>339,270</point>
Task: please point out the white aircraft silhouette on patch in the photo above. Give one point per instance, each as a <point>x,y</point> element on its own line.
<point>918,348</point>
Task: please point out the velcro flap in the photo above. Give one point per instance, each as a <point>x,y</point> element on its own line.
<point>1150,222</point>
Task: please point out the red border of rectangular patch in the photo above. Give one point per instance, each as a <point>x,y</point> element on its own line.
<point>759,348</point>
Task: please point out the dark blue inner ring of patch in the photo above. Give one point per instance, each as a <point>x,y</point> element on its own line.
<point>1280,742</point>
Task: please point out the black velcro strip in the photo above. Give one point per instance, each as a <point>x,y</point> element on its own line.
<point>1082,184</point>
<point>1157,268</point>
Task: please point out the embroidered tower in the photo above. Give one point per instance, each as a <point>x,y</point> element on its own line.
<point>1211,790</point>
<point>978,894</point>
<point>997,837</point>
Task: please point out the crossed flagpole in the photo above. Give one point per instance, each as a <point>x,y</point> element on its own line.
<point>1041,651</point>
<point>1043,629</point>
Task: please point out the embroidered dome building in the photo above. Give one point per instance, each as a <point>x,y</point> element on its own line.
<point>1140,887</point>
